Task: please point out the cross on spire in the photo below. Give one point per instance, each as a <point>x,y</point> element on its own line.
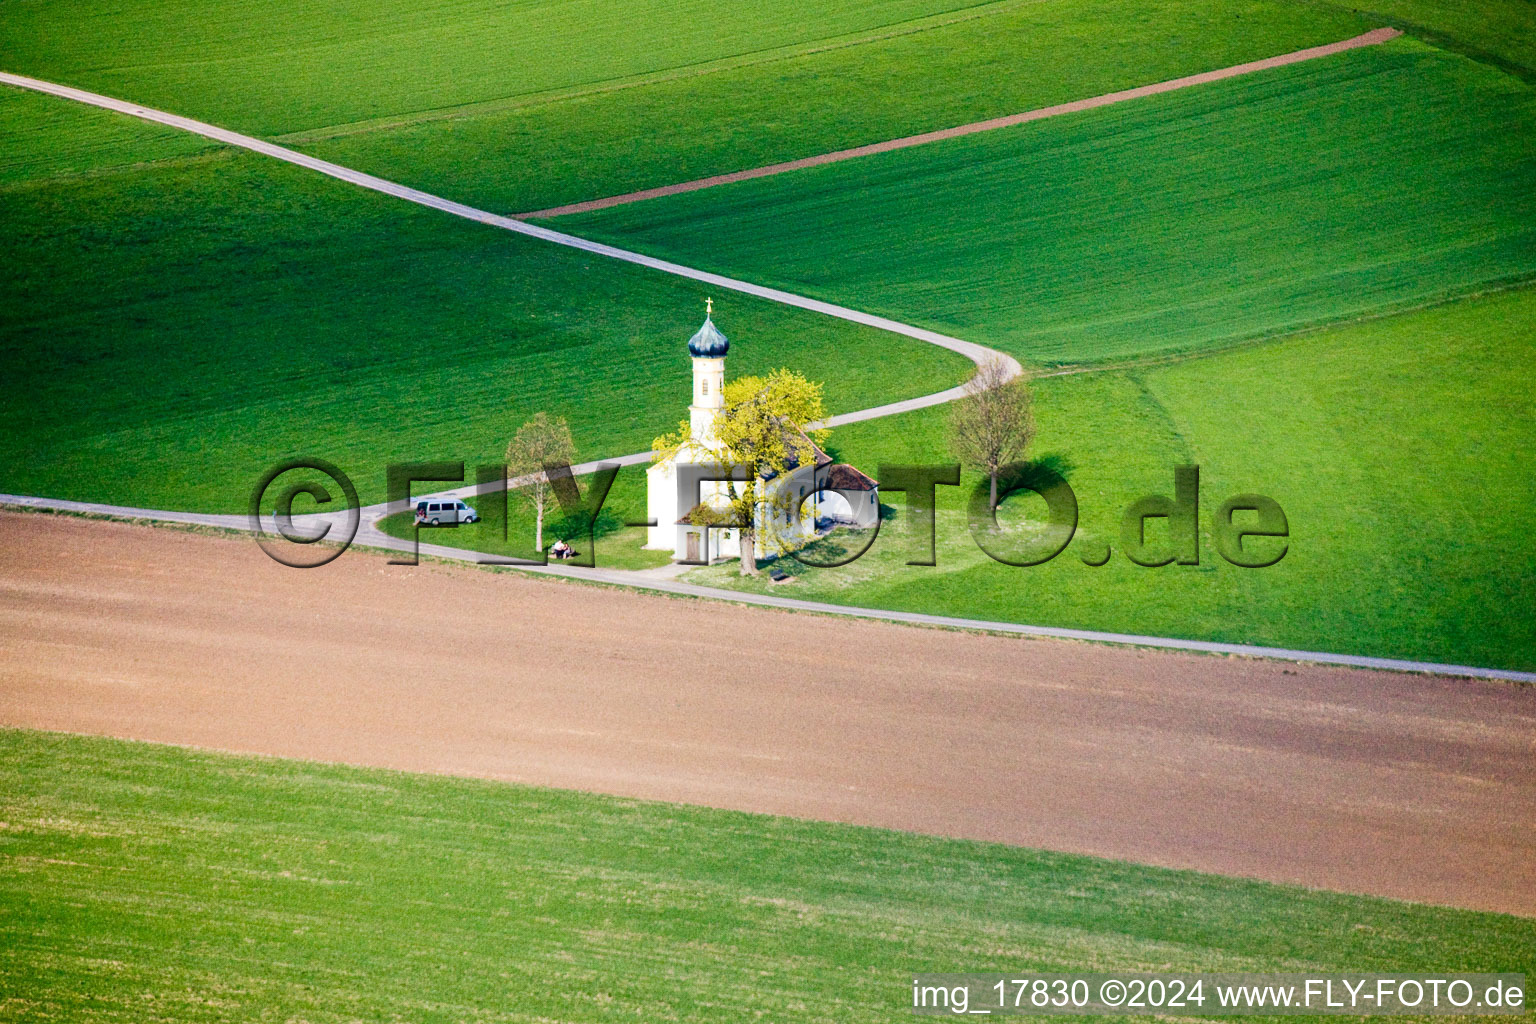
<point>709,308</point>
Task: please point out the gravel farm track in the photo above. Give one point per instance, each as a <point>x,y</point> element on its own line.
<point>1411,786</point>
<point>1373,38</point>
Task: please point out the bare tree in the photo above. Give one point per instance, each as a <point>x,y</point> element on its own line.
<point>994,423</point>
<point>541,442</point>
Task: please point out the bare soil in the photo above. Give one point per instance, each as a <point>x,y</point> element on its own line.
<point>1401,785</point>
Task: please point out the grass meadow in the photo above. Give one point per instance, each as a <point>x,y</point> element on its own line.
<point>988,61</point>
<point>185,315</point>
<point>46,142</point>
<point>1500,32</point>
<point>146,882</point>
<point>523,106</point>
<point>1377,178</point>
<point>180,322</point>
<point>1400,450</point>
<point>301,66</point>
<point>1403,498</point>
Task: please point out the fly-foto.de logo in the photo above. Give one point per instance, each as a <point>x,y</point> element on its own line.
<point>1248,530</point>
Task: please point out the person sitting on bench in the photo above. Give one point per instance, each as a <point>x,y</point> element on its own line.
<point>562,551</point>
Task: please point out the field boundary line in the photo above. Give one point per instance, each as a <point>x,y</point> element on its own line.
<point>1375,37</point>
<point>370,536</point>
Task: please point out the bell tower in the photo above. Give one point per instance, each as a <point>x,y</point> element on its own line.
<point>708,348</point>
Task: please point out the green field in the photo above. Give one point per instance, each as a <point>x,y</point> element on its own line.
<point>1500,32</point>
<point>143,882</point>
<point>298,66</point>
<point>519,107</point>
<point>1400,449</point>
<point>997,59</point>
<point>531,104</point>
<point>177,324</point>
<point>46,141</point>
<point>1376,178</point>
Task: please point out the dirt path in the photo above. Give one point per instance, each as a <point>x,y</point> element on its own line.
<point>1408,786</point>
<point>1371,38</point>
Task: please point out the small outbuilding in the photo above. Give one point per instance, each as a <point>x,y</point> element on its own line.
<point>847,497</point>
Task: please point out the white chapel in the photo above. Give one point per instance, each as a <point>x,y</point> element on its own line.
<point>826,494</point>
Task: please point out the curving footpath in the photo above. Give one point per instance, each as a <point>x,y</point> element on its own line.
<point>369,535</point>
<point>977,354</point>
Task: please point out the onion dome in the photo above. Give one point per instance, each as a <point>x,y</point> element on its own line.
<point>708,342</point>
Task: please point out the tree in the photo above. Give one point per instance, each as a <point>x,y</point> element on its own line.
<point>993,424</point>
<point>540,444</point>
<point>758,434</point>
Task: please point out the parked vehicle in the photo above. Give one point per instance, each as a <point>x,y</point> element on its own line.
<point>444,513</point>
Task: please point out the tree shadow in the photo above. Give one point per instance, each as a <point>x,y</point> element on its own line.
<point>574,526</point>
<point>844,544</point>
<point>1035,474</point>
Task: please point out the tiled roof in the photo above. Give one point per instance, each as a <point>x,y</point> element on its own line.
<point>843,477</point>
<point>793,430</point>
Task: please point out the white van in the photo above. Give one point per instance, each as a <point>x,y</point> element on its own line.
<point>444,513</point>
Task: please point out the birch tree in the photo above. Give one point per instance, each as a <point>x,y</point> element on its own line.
<point>540,444</point>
